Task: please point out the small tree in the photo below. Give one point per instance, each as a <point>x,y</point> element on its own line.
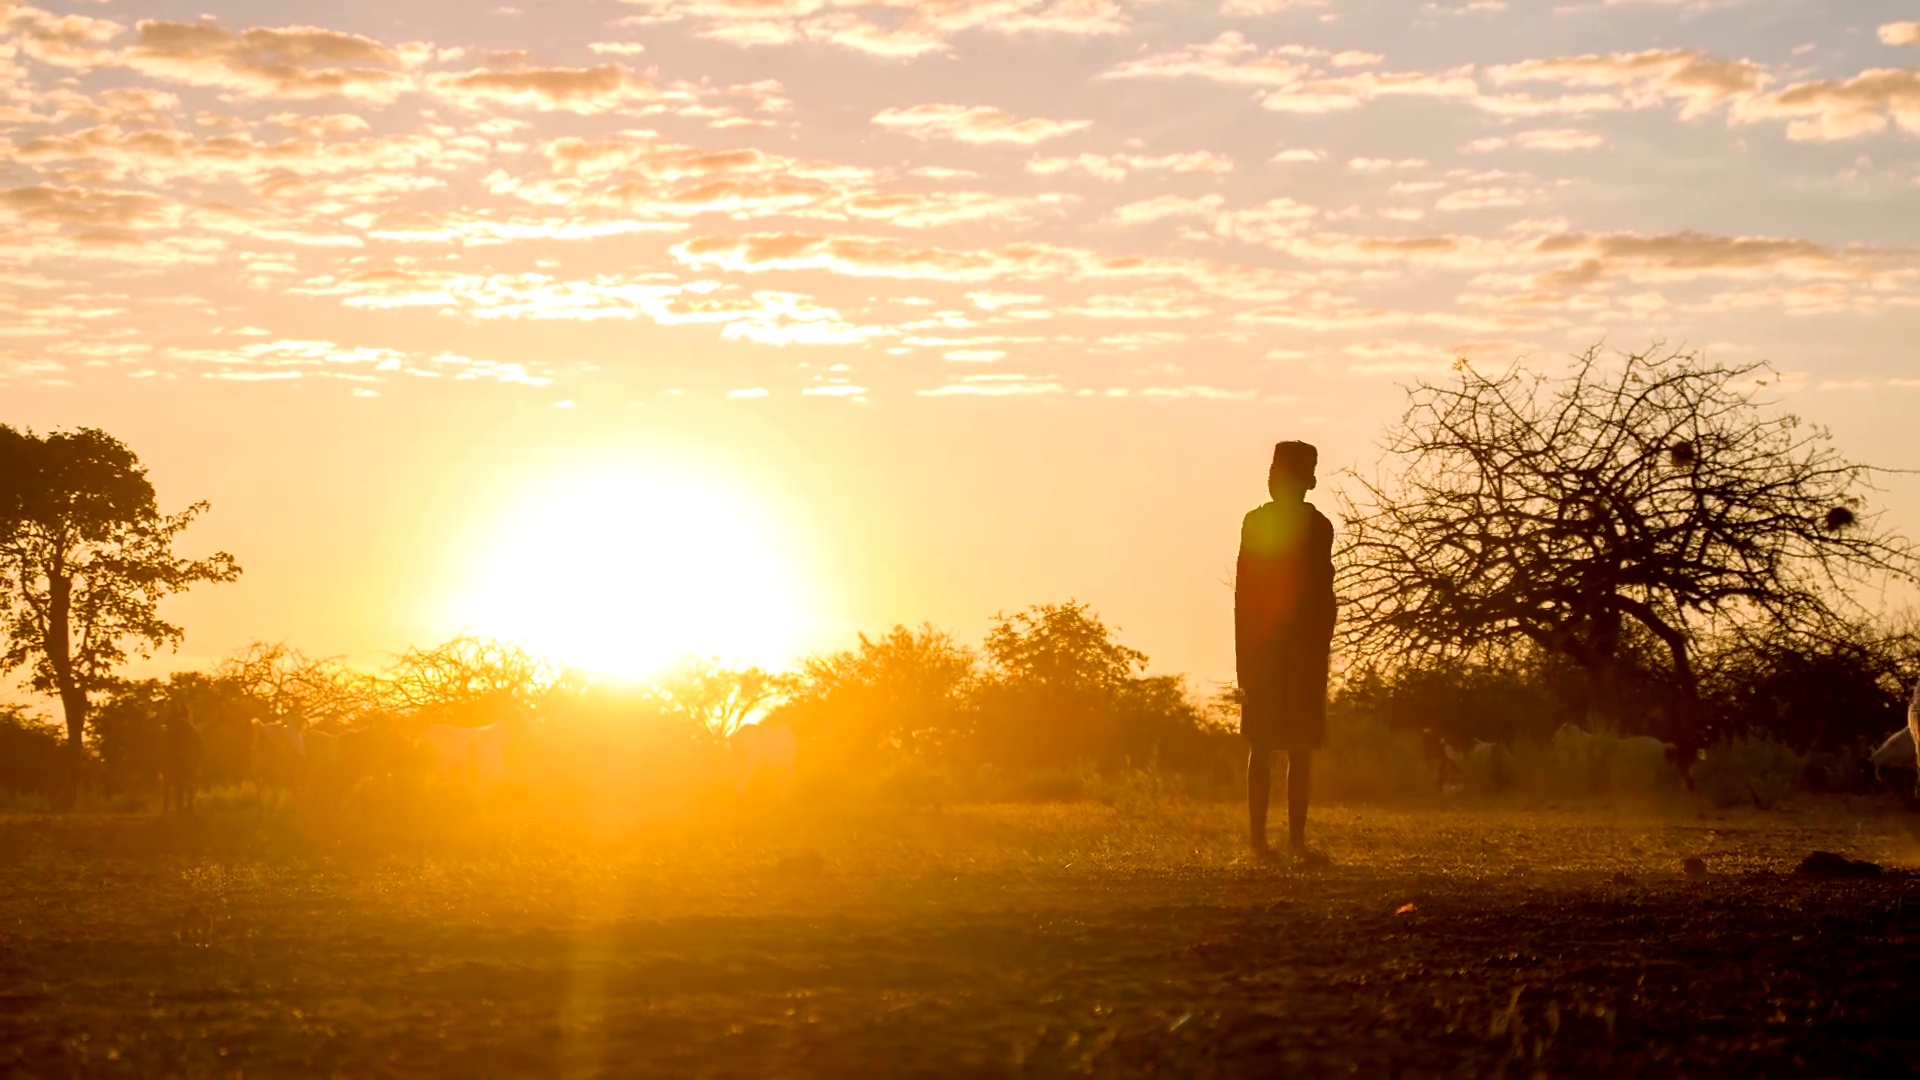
<point>85,559</point>
<point>1657,493</point>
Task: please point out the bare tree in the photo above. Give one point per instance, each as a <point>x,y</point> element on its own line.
<point>291,686</point>
<point>471,679</point>
<point>1651,494</point>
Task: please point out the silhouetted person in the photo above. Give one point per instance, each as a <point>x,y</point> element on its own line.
<point>1283,612</point>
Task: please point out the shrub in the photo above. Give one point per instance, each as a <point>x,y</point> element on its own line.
<point>1749,768</point>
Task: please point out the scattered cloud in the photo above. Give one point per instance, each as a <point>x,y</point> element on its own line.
<point>975,124</point>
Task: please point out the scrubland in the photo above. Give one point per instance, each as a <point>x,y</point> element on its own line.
<point>1118,933</point>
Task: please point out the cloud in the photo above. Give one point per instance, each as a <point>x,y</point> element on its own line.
<point>768,317</point>
<point>1900,33</point>
<point>1162,207</point>
<point>1831,109</point>
<point>975,124</point>
<point>1369,165</point>
<point>1155,303</point>
<point>603,88</point>
<point>297,358</point>
<point>1267,7</point>
<point>1696,80</point>
<point>95,211</point>
<point>867,256</point>
<point>72,41</point>
<point>169,155</point>
<point>1559,139</point>
<point>290,62</point>
<point>877,27</point>
<point>1116,167</point>
<point>1683,256</point>
<point>997,386</point>
<point>1295,78</point>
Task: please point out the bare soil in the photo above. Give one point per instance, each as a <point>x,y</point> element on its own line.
<point>978,941</point>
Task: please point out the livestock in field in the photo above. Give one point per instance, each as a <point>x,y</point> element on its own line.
<point>476,755</point>
<point>1895,755</point>
<point>375,752</point>
<point>180,753</point>
<point>324,774</point>
<point>1489,766</point>
<point>226,748</point>
<point>1444,761</point>
<point>758,749</point>
<point>279,754</point>
<point>1625,760</point>
<point>1913,734</point>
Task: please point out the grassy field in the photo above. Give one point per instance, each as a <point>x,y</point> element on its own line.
<point>989,940</point>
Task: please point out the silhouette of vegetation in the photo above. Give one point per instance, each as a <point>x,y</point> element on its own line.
<point>1837,693</point>
<point>86,557</point>
<point>711,701</point>
<point>467,681</point>
<point>1653,496</point>
<point>907,692</point>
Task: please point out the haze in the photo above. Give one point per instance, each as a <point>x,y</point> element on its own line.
<point>824,318</point>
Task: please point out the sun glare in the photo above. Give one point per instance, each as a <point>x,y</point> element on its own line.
<point>621,573</point>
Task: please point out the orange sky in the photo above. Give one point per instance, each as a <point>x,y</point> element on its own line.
<point>966,306</point>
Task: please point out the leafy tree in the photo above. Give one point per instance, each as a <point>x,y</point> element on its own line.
<point>1060,648</point>
<point>905,691</point>
<point>85,559</point>
<point>1057,685</point>
<point>1657,494</point>
<point>31,757</point>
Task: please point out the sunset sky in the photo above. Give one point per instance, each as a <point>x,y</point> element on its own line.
<point>757,323</point>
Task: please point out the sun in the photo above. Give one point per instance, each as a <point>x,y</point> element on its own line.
<point>621,572</point>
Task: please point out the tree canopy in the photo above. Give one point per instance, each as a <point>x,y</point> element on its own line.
<point>86,556</point>
<point>1650,495</point>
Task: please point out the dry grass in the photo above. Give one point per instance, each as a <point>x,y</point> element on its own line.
<point>988,940</point>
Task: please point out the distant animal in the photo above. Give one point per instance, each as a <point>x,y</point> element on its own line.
<point>226,744</point>
<point>476,755</point>
<point>180,753</point>
<point>1896,754</point>
<point>763,749</point>
<point>375,752</point>
<point>279,754</point>
<point>1913,733</point>
<point>1444,761</point>
<point>1490,766</point>
<point>324,774</point>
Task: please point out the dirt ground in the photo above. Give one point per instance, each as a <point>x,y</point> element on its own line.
<point>978,941</point>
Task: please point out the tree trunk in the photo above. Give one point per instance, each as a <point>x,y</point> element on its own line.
<point>73,696</point>
<point>1603,674</point>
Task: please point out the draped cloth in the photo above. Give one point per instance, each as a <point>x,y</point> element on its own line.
<point>1283,615</point>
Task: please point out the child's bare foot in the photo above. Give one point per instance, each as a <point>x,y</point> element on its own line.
<point>1303,855</point>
